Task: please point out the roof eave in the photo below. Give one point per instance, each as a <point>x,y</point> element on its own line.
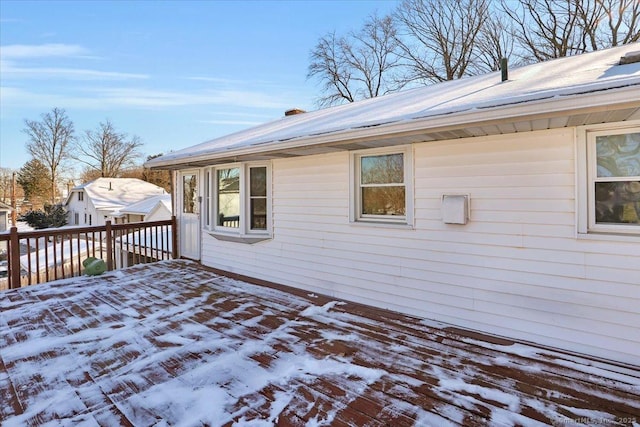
<point>622,98</point>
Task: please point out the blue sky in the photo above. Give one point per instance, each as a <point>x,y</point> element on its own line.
<point>175,73</point>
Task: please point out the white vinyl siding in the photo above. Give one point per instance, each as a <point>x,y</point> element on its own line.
<point>516,269</point>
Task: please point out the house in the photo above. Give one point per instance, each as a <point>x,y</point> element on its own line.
<point>154,208</point>
<point>507,207</point>
<point>143,246</point>
<point>5,215</point>
<point>102,199</point>
<point>137,247</point>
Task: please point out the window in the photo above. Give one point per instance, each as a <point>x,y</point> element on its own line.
<point>76,218</point>
<point>190,194</point>
<point>239,199</point>
<point>80,196</point>
<point>382,186</point>
<point>258,198</point>
<point>613,181</point>
<point>207,200</point>
<point>228,200</point>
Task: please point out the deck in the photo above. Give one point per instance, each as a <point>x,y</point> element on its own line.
<point>173,343</point>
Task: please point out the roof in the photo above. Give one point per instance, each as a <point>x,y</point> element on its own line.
<point>5,207</point>
<point>583,89</point>
<point>148,205</point>
<point>173,343</point>
<point>146,243</point>
<point>114,193</point>
<point>52,255</point>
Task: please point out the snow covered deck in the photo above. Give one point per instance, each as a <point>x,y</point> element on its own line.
<point>173,343</point>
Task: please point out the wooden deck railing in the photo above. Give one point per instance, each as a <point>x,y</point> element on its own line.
<point>56,253</point>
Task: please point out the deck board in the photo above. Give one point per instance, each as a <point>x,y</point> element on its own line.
<point>175,342</point>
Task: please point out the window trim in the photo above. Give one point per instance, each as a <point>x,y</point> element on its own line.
<point>587,177</point>
<point>243,233</point>
<point>247,199</point>
<point>214,199</point>
<point>355,196</point>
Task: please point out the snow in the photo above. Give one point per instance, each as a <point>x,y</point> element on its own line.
<point>113,193</point>
<point>75,348</point>
<point>555,79</point>
<point>138,241</point>
<point>314,310</point>
<point>51,255</point>
<point>147,206</point>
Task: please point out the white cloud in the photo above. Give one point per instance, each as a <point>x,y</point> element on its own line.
<point>11,55</point>
<point>232,122</point>
<point>8,70</point>
<point>216,80</point>
<point>158,98</point>
<point>40,51</point>
<point>21,63</point>
<point>12,97</point>
<point>91,98</point>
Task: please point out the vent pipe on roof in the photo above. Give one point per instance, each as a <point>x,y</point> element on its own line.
<point>293,112</point>
<point>630,58</point>
<point>505,69</point>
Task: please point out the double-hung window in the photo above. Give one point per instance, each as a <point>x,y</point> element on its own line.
<point>382,190</point>
<point>613,180</point>
<point>239,199</point>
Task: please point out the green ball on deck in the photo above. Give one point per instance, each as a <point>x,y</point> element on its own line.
<point>94,266</point>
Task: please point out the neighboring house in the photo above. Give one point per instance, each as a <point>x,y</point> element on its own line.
<point>5,216</point>
<point>147,246</point>
<point>154,208</point>
<point>140,247</point>
<point>510,208</point>
<point>102,199</point>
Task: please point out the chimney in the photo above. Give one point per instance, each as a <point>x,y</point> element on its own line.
<point>293,112</point>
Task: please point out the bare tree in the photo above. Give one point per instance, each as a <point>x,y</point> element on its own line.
<point>107,151</point>
<point>590,14</point>
<point>439,38</point>
<point>495,41</point>
<point>607,23</point>
<point>547,29</point>
<point>359,65</point>
<point>161,178</point>
<point>6,182</point>
<point>88,174</point>
<point>327,65</point>
<point>49,142</point>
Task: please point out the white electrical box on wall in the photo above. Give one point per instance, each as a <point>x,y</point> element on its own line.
<point>455,208</point>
